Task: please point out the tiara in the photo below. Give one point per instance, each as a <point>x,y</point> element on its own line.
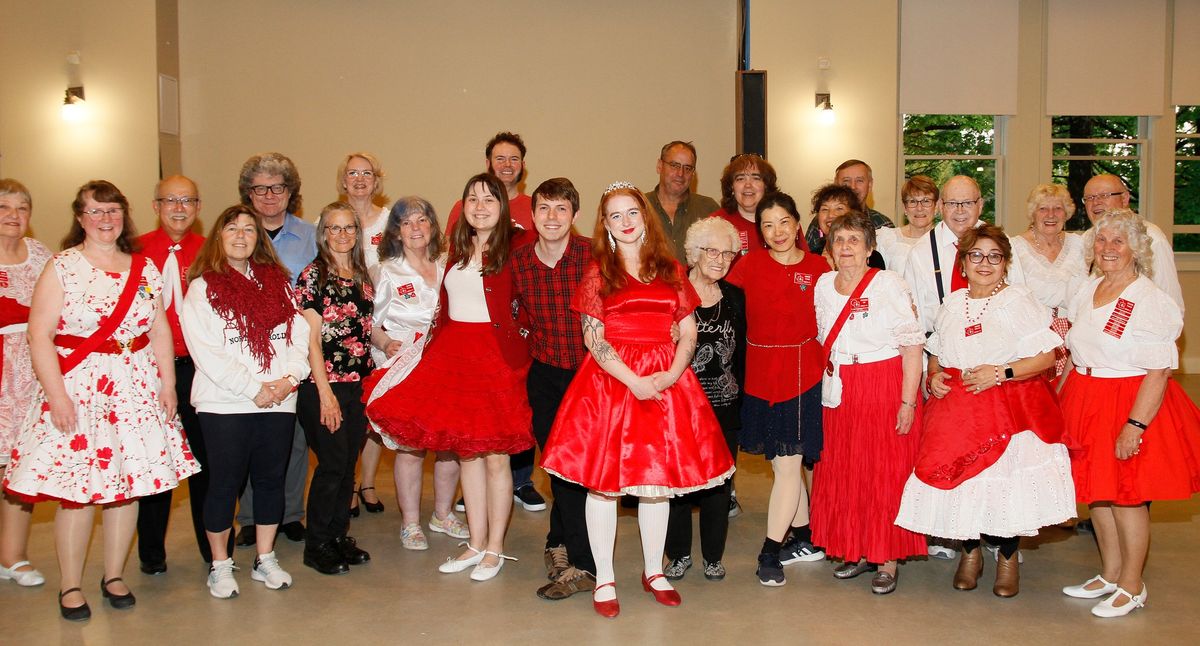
<point>619,185</point>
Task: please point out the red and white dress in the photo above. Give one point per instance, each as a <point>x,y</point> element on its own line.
<point>123,445</point>
<point>1053,284</point>
<point>17,383</point>
<point>1112,347</point>
<point>865,462</point>
<point>990,463</point>
<point>609,441</point>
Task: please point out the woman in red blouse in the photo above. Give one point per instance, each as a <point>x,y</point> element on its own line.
<point>781,407</point>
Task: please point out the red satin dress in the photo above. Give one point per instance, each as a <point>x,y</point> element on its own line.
<point>609,441</point>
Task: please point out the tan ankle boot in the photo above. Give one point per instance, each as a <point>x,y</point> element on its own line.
<point>970,566</point>
<point>1008,576</point>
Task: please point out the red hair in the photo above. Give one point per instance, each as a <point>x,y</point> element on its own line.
<point>656,259</point>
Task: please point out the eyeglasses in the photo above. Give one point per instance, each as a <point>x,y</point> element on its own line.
<point>976,257</point>
<point>337,229</point>
<point>262,189</point>
<point>368,174</point>
<point>727,256</point>
<point>97,214</point>
<point>1088,199</point>
<point>173,201</point>
<point>954,206</point>
<point>913,203</point>
<point>687,169</point>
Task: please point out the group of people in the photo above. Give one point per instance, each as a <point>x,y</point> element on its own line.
<point>936,381</point>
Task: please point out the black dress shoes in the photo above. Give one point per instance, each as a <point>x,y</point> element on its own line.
<point>348,548</point>
<point>118,601</point>
<point>246,536</point>
<point>294,531</point>
<point>326,559</point>
<point>154,568</point>
<point>78,613</point>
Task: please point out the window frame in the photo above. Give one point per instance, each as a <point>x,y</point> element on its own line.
<point>999,125</point>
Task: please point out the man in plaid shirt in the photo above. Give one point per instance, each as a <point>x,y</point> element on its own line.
<point>545,275</point>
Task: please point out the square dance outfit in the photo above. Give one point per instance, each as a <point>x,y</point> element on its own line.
<point>609,441</point>
<point>1112,347</point>
<point>17,381</point>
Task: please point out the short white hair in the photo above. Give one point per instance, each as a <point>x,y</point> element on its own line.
<point>1133,227</point>
<point>706,231</point>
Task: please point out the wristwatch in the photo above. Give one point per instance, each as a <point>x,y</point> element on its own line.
<point>1008,372</point>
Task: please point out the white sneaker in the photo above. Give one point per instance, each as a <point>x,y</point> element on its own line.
<point>941,552</point>
<point>266,569</point>
<point>26,578</point>
<point>221,583</point>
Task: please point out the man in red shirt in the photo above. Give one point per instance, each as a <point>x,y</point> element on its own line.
<point>172,247</point>
<point>505,158</point>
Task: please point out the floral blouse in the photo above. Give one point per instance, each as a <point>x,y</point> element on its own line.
<point>345,311</point>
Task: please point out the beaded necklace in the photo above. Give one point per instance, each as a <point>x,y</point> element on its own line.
<point>986,301</point>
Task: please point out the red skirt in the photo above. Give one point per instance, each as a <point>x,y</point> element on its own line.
<point>967,432</point>
<point>1167,467</point>
<point>858,483</point>
<point>462,397</point>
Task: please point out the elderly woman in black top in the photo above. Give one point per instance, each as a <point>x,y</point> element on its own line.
<point>711,245</point>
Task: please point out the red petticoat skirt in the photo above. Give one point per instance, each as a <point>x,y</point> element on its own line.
<point>462,397</point>
<point>1167,467</point>
<point>858,483</point>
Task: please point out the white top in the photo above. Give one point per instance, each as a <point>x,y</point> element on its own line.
<point>885,321</point>
<point>372,235</point>
<point>404,302</point>
<point>1014,327</point>
<point>894,246</point>
<point>1139,337</point>
<point>1053,283</point>
<point>227,376</point>
<point>918,271</point>
<point>464,289</point>
<point>1166,277</point>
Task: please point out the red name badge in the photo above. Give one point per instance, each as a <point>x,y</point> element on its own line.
<point>859,305</point>
<point>406,291</point>
<point>745,240</point>
<point>1115,326</point>
<point>972,330</point>
<point>803,280</point>
<point>3,279</point>
<point>376,239</point>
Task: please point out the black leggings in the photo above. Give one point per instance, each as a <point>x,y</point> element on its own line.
<point>1008,546</point>
<point>241,445</point>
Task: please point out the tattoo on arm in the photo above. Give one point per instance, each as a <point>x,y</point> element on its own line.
<point>593,337</point>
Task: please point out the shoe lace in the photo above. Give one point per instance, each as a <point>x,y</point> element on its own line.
<point>558,558</point>
<point>221,570</point>
<point>568,575</point>
<point>267,565</point>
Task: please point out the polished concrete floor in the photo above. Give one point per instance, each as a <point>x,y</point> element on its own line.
<point>399,597</point>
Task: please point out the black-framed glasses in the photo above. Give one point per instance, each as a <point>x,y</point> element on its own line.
<point>960,204</point>
<point>1088,199</point>
<point>727,256</point>
<point>993,258</point>
<point>172,201</point>
<point>262,189</point>
<point>337,229</point>
<point>676,166</point>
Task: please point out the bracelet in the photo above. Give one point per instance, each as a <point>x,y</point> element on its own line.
<point>997,369</point>
<point>909,404</point>
<point>1136,424</point>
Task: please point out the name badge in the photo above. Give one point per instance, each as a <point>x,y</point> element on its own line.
<point>3,279</point>
<point>1115,327</point>
<point>745,241</point>
<point>144,288</point>
<point>972,330</point>
<point>859,305</point>
<point>803,280</point>
<point>406,291</point>
<point>376,239</point>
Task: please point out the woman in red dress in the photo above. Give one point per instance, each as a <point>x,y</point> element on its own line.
<point>467,395</point>
<point>635,420</point>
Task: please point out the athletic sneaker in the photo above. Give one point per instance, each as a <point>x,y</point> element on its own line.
<point>266,569</point>
<point>770,570</point>
<point>714,571</point>
<point>450,526</point>
<point>221,583</point>
<point>412,538</point>
<point>529,498</point>
<point>734,507</point>
<point>795,551</point>
<point>942,552</point>
<point>677,568</point>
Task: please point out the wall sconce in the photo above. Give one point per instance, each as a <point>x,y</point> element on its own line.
<point>73,101</point>
<point>825,105</point>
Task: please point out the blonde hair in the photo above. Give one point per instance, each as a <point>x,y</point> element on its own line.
<point>1046,193</point>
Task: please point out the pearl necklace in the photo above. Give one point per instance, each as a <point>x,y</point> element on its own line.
<point>986,302</point>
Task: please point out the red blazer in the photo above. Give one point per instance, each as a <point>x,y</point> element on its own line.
<point>498,291</point>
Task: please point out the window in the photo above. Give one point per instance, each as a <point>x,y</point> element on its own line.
<point>1088,146</point>
<point>944,145</point>
<point>1187,179</point>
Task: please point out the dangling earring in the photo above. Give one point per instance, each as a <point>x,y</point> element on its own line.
<point>962,272</point>
<point>612,243</point>
<point>642,239</point>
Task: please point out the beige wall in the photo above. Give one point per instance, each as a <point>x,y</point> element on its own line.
<point>117,141</point>
<point>594,88</point>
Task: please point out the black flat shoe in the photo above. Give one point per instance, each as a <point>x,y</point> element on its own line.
<point>326,559</point>
<point>293,531</point>
<point>246,536</point>
<point>372,507</point>
<point>78,613</point>
<point>154,568</point>
<point>118,601</point>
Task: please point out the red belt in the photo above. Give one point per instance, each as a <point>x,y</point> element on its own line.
<point>111,346</point>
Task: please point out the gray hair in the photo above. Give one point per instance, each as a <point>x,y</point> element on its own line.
<point>271,164</point>
<point>1133,227</point>
<point>706,231</point>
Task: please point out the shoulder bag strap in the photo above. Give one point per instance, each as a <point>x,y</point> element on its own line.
<point>845,313</point>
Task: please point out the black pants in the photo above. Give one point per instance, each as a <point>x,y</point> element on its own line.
<point>332,484</point>
<point>153,511</point>
<point>241,446</point>
<point>714,516</point>
<point>546,386</point>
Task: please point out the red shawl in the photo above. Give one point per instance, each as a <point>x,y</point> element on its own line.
<point>255,304</point>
